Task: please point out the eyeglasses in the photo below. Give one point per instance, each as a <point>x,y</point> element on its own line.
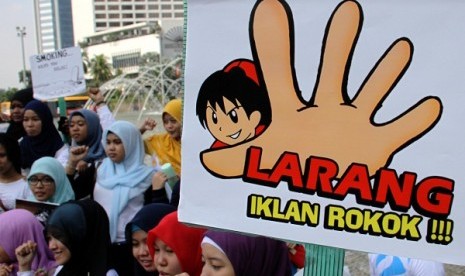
<point>46,181</point>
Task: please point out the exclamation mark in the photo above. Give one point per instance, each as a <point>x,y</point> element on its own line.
<point>441,230</point>
<point>434,229</point>
<point>448,234</point>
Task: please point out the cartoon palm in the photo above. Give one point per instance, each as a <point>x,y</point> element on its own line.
<point>331,124</point>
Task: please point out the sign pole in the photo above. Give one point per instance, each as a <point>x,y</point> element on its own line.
<point>323,260</point>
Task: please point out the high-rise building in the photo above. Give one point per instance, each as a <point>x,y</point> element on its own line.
<point>120,13</point>
<point>54,25</point>
<point>93,16</point>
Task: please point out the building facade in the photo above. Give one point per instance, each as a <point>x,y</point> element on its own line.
<point>54,25</point>
<point>120,13</point>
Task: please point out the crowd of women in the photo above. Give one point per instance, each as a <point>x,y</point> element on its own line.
<point>101,210</point>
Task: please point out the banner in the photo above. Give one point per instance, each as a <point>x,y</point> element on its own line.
<point>329,122</point>
<point>57,74</point>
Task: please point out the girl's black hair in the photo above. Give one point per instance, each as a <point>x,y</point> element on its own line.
<point>12,150</point>
<point>235,86</point>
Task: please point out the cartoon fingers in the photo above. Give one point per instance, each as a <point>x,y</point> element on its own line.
<point>331,125</point>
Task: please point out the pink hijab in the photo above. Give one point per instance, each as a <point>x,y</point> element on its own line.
<point>18,226</point>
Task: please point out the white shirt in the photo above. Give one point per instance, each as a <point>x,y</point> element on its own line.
<point>9,192</point>
<point>385,265</point>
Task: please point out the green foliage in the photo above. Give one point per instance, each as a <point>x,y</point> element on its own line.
<point>100,69</point>
<point>5,95</point>
<point>149,58</point>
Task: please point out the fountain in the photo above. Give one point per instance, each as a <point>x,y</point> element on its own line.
<point>134,97</point>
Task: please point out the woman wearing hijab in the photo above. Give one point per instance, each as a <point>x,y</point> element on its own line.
<point>136,235</point>
<point>18,227</point>
<point>81,228</point>
<point>42,138</point>
<point>233,254</point>
<point>48,181</point>
<point>17,103</point>
<point>85,130</point>
<point>166,147</point>
<point>122,179</point>
<point>175,247</point>
<point>12,183</point>
<point>78,238</point>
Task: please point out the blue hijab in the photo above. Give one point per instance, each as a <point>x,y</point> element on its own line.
<point>51,167</point>
<point>129,178</point>
<point>47,143</point>
<point>94,135</point>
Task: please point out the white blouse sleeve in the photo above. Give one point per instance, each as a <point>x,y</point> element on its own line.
<point>105,116</point>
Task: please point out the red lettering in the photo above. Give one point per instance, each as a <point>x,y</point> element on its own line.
<point>434,196</point>
<point>254,156</point>
<point>389,188</point>
<point>355,180</point>
<point>288,168</point>
<point>320,173</point>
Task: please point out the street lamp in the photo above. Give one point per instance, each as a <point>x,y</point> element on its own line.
<point>21,33</point>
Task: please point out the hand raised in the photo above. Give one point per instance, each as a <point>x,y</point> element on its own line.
<point>332,125</point>
<point>25,253</point>
<point>148,124</point>
<point>76,154</point>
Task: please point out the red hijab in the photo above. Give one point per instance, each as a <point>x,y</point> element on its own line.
<point>184,240</point>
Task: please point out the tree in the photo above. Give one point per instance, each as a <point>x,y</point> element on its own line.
<point>149,58</point>
<point>100,69</point>
<point>5,95</point>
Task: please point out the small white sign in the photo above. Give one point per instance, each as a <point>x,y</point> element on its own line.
<point>57,74</point>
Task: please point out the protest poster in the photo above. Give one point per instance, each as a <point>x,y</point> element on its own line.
<point>57,74</point>
<point>328,122</point>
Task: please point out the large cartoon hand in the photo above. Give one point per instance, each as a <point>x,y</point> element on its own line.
<point>331,125</point>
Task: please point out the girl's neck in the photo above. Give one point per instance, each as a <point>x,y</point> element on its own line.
<point>10,176</point>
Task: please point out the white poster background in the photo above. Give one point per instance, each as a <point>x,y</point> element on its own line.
<point>218,32</point>
<point>57,74</point>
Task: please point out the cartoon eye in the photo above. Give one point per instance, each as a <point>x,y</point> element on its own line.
<point>214,118</point>
<point>233,116</point>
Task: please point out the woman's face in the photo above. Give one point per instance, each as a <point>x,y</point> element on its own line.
<point>60,252</point>
<point>42,186</point>
<point>165,259</point>
<point>5,164</point>
<point>32,123</point>
<point>78,128</point>
<point>114,148</point>
<point>216,263</point>
<point>17,111</point>
<point>140,250</point>
<point>172,126</point>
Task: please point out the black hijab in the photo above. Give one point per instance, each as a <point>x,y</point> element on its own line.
<point>47,143</point>
<point>147,218</point>
<point>16,129</point>
<point>82,226</point>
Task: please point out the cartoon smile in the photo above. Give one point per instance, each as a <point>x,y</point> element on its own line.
<point>235,135</point>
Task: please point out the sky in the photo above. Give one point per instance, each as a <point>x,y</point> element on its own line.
<point>15,13</point>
